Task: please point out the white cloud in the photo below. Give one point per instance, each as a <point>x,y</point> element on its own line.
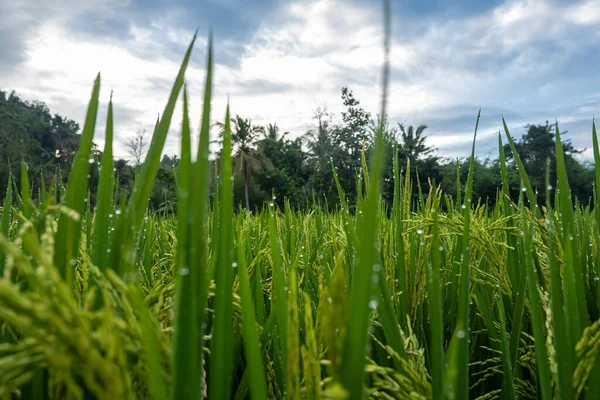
<point>310,49</point>
<point>586,13</point>
<point>60,70</point>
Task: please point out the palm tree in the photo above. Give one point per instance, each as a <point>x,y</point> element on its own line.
<point>319,140</point>
<point>320,148</point>
<point>247,159</point>
<point>413,142</point>
<point>272,133</point>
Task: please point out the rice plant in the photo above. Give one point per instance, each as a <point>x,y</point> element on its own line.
<point>440,298</point>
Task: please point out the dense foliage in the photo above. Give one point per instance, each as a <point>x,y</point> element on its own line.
<point>268,162</point>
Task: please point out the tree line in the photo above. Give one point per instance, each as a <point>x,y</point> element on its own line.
<point>270,166</point>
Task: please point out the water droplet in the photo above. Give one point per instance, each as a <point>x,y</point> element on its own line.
<point>73,261</point>
<point>271,204</point>
<point>118,212</point>
<point>419,231</point>
<point>376,267</point>
<point>234,264</point>
<point>184,271</point>
<point>463,206</point>
<point>460,334</point>
<point>91,160</point>
<point>373,304</point>
<point>441,248</point>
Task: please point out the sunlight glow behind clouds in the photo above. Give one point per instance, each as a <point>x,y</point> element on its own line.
<point>516,59</point>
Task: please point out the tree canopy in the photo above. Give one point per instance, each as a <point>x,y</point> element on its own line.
<point>270,163</point>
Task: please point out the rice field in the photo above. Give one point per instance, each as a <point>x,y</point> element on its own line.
<point>439,298</point>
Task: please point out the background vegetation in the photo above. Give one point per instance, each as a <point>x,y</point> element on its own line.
<point>267,160</point>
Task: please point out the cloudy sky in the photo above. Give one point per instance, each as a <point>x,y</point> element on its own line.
<point>277,60</point>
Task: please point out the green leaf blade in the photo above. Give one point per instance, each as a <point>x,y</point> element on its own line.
<point>104,199</point>
<point>222,338</point>
<point>69,230</point>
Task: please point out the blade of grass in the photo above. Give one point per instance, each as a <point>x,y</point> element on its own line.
<point>26,202</point>
<point>452,293</point>
<point>258,388</point>
<point>387,316</point>
<point>263,340</point>
<point>575,305</point>
<point>104,198</point>
<point>200,182</point>
<point>117,230</point>
<point>521,168</point>
<point>398,211</point>
<point>562,339</point>
<point>456,385</point>
<point>517,319</point>
<point>597,209</point>
<point>516,269</point>
<point>137,205</point>
<point>505,195</point>
<point>348,228</point>
<point>42,191</point>
<point>508,387</point>
<point>186,367</point>
<point>355,346</point>
<point>68,232</point>
<point>150,345</point>
<point>222,339</point>
<point>5,221</point>
<point>293,375</point>
<point>536,309</point>
<point>279,291</point>
<point>458,186</point>
<point>434,291</point>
